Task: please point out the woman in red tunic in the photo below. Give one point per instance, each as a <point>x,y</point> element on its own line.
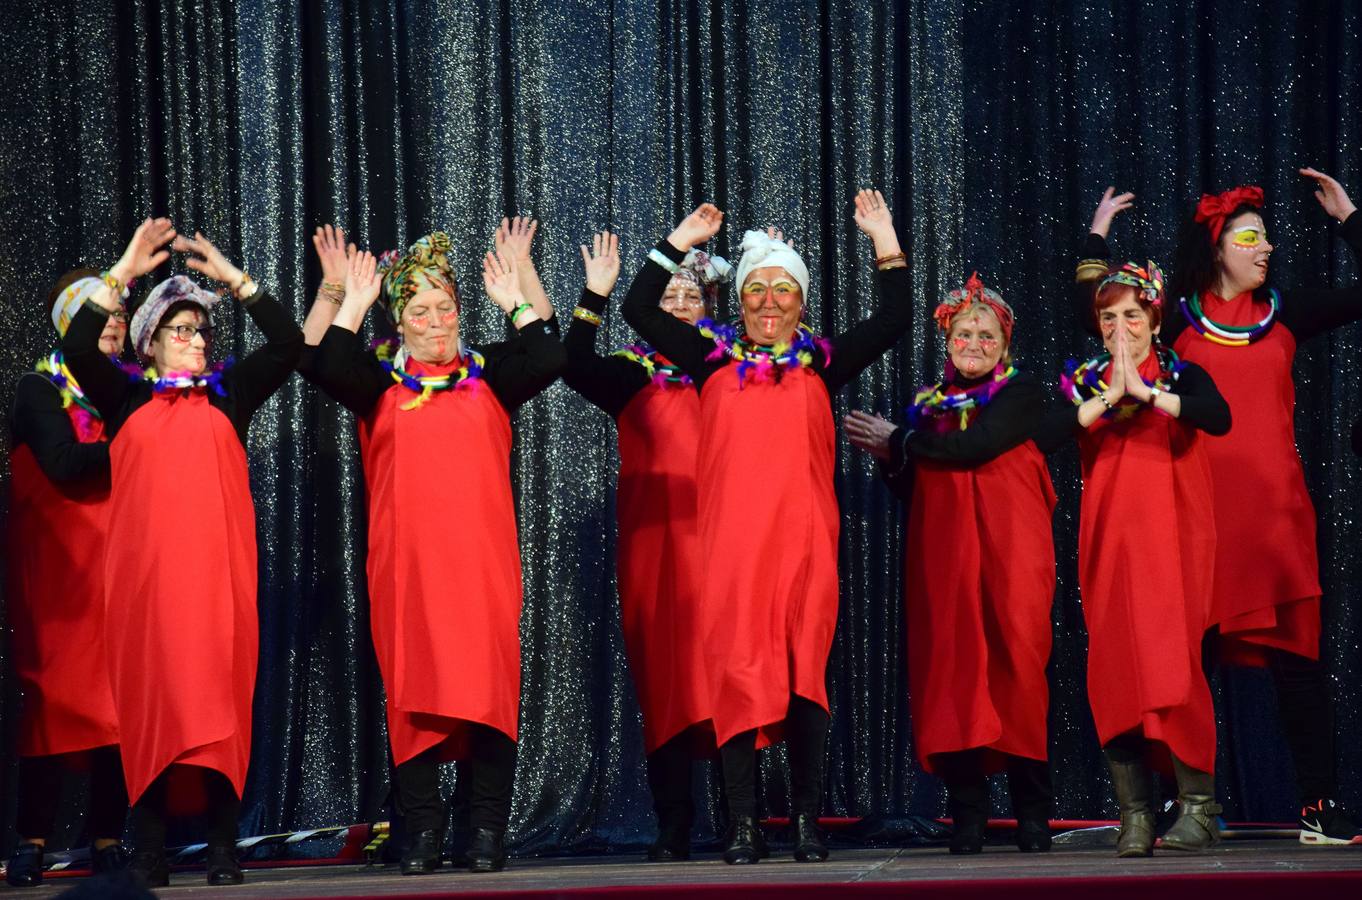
<point>444,559</point>
<point>768,511</point>
<point>1146,547</point>
<point>657,413</point>
<point>58,526</point>
<point>1267,590</point>
<point>183,646</point>
<point>979,569</point>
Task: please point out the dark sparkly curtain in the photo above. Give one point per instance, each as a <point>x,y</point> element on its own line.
<point>994,128</point>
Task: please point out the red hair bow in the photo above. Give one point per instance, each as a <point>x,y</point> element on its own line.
<point>1215,208</point>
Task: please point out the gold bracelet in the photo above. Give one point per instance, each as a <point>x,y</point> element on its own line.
<point>587,315</point>
<point>246,284</point>
<point>892,264</point>
<point>336,287</point>
<point>880,261</point>
<point>1090,270</point>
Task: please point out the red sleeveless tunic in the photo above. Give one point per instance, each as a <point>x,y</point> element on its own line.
<point>1146,548</point>
<point>1267,588</point>
<point>443,565</point>
<point>182,629</point>
<point>768,538</point>
<point>979,582</point>
<point>659,561</point>
<point>57,534</point>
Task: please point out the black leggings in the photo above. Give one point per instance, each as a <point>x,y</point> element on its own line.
<point>1028,784</point>
<point>41,779</point>
<point>1305,707</point>
<point>669,779</point>
<point>806,739</point>
<point>221,809</point>
<point>490,773</point>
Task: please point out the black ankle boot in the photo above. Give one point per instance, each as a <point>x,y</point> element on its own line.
<point>486,850</point>
<point>423,853</point>
<point>223,867</point>
<point>1033,835</point>
<point>744,844</point>
<point>808,842</point>
<point>25,866</point>
<point>969,818</point>
<point>112,858</point>
<point>672,844</point>
<point>149,869</point>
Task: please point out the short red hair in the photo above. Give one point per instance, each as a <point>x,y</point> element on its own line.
<point>1113,293</point>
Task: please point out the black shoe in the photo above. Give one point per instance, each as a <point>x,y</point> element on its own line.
<point>967,836</point>
<point>25,866</point>
<point>423,853</point>
<point>112,858</point>
<point>1033,835</point>
<point>808,843</point>
<point>223,867</point>
<point>486,850</point>
<point>1325,824</point>
<point>672,844</point>
<point>744,844</point>
<point>149,870</point>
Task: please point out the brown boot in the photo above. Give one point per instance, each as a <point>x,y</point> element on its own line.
<point>1134,788</point>
<point>1197,827</point>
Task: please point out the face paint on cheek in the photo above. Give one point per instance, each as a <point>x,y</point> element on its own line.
<point>420,323</point>
<point>449,318</point>
<point>960,343</point>
<point>988,344</point>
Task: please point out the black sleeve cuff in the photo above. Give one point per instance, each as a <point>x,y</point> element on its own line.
<point>1351,228</point>
<point>1095,247</point>
<point>667,250</point>
<point>593,301</point>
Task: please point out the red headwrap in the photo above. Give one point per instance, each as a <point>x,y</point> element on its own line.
<point>1215,208</point>
<point>974,292</point>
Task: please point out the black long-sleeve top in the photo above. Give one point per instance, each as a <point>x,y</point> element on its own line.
<point>246,385</point>
<point>1007,421</point>
<point>852,350</point>
<point>515,370</point>
<point>41,423</point>
<point>608,382</point>
<point>1307,312</point>
<point>1203,408</point>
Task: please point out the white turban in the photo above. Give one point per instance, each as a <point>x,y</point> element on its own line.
<point>760,250</point>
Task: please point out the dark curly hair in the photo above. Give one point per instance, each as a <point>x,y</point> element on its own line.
<point>1195,270</point>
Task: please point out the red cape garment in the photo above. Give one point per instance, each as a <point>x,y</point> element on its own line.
<point>768,538</point>
<point>183,635</point>
<point>1146,547</point>
<point>57,534</point>
<point>980,581</point>
<point>658,561</point>
<point>1267,565</point>
<point>444,564</point>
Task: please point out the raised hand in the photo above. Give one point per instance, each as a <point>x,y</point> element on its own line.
<point>869,432</point>
<point>1107,209</point>
<point>514,237</point>
<point>362,281</point>
<point>145,251</point>
<point>208,260</point>
<point>872,215</point>
<point>602,263</point>
<point>776,234</point>
<point>500,281</point>
<point>698,227</point>
<point>333,252</point>
<point>1331,195</point>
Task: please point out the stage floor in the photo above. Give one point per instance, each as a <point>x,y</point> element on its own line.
<point>1245,868</point>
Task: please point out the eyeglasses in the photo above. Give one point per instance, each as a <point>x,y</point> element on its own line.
<point>119,314</point>
<point>185,333</point>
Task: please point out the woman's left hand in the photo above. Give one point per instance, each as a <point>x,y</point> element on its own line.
<point>500,282</point>
<point>869,432</point>
<point>1331,195</point>
<point>1134,386</point>
<point>514,237</point>
<point>208,260</point>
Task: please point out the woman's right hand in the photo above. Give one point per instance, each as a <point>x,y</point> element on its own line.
<point>1120,362</point>
<point>362,281</point>
<point>333,253</point>
<point>602,263</point>
<point>697,227</point>
<point>869,432</point>
<point>145,251</point>
<point>1110,205</point>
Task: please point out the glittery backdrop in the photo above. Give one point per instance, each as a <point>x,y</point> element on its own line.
<point>993,127</point>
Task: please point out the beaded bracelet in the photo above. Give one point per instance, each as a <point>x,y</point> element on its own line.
<point>515,313</point>
<point>587,315</point>
<point>1101,395</point>
<point>661,259</point>
<point>114,284</point>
